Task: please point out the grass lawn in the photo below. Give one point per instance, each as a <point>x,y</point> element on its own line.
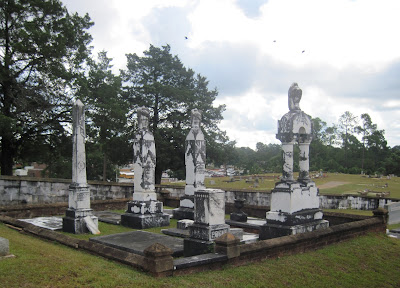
<point>368,261</point>
<point>331,184</point>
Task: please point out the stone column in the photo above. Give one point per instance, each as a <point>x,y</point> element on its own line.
<point>304,162</point>
<point>79,218</point>
<point>287,148</point>
<point>195,162</point>
<point>144,211</point>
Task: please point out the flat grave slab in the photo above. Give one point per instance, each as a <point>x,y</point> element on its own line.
<point>182,233</point>
<point>52,223</point>
<point>108,217</point>
<point>137,241</point>
<point>199,260</point>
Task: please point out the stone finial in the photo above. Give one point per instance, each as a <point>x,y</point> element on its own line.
<point>294,94</point>
<point>143,115</point>
<point>157,250</point>
<point>196,118</point>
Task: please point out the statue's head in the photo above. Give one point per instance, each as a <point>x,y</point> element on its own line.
<point>294,94</point>
<point>143,115</point>
<point>196,118</point>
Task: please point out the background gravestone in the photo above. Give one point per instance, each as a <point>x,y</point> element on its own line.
<point>195,162</point>
<point>144,211</point>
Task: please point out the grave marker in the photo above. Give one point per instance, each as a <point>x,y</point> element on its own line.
<point>195,162</point>
<point>79,193</point>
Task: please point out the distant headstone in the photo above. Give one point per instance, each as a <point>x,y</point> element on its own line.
<point>79,193</point>
<point>209,222</point>
<point>144,211</point>
<point>238,215</point>
<point>195,162</point>
<point>212,182</point>
<point>4,247</point>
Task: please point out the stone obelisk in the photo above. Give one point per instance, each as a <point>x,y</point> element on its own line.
<point>79,217</point>
<point>195,162</point>
<point>144,211</point>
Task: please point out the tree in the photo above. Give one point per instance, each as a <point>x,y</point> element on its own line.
<point>347,126</point>
<point>41,49</point>
<point>366,130</point>
<point>159,81</point>
<point>106,111</point>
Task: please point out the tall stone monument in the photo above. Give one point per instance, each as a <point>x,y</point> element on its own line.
<point>294,203</point>
<point>79,217</point>
<point>209,222</point>
<point>195,161</point>
<point>144,211</point>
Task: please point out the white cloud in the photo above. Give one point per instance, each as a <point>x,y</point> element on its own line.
<point>351,59</point>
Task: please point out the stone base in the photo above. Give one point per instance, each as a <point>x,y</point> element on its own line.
<point>140,221</point>
<point>183,213</point>
<point>296,218</point>
<point>74,221</point>
<point>269,231</point>
<point>239,216</point>
<point>192,247</point>
<point>206,232</point>
<point>145,207</point>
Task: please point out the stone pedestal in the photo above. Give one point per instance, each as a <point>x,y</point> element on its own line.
<point>75,221</point>
<point>294,209</point>
<point>145,214</point>
<point>209,222</point>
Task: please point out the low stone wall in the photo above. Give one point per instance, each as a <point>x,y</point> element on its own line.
<point>54,209</point>
<point>25,190</point>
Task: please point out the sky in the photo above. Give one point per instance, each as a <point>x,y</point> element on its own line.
<point>344,55</point>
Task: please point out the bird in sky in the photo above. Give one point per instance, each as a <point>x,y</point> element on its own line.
<point>303,51</point>
<point>186,37</point>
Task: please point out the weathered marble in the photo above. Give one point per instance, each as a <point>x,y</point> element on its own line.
<point>195,162</point>
<point>144,211</point>
<point>294,203</point>
<point>209,221</point>
<point>79,193</point>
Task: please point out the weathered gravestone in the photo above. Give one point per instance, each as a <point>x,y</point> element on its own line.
<point>144,211</point>
<point>79,217</point>
<point>294,203</point>
<point>393,212</point>
<point>209,222</point>
<point>4,247</point>
<point>195,161</point>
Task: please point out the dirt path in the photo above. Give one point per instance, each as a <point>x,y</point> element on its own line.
<point>331,184</point>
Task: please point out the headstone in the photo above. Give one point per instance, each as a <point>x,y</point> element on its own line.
<point>195,162</point>
<point>4,247</point>
<point>79,193</point>
<point>239,215</point>
<point>294,203</point>
<point>393,212</point>
<point>209,222</point>
<point>144,211</point>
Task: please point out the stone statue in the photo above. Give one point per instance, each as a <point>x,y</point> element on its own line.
<point>294,94</point>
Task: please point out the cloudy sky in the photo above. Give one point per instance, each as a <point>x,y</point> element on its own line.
<point>252,50</point>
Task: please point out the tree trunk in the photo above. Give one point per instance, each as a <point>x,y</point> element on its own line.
<point>6,155</point>
<point>104,167</point>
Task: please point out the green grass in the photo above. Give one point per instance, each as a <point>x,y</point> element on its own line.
<point>354,184</point>
<point>368,261</point>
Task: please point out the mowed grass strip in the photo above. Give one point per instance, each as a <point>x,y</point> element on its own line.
<point>367,261</point>
<point>348,184</point>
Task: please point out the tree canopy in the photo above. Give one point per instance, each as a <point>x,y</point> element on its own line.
<point>42,48</point>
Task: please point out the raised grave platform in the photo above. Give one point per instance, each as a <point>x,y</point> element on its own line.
<point>137,241</point>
